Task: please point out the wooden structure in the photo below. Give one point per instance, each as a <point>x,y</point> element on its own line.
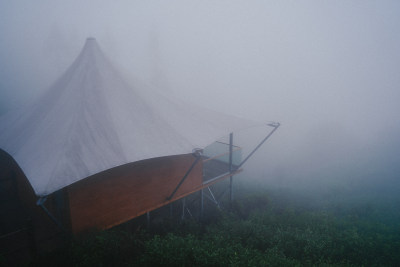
<point>106,199</point>
<point>97,153</point>
<point>111,197</point>
<point>120,194</point>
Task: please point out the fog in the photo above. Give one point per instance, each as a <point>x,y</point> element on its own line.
<point>328,71</point>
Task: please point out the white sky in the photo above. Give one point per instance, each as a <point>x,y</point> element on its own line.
<point>327,70</point>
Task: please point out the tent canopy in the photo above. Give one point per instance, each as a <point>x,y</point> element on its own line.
<point>91,120</point>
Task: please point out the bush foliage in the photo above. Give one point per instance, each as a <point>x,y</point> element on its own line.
<point>256,231</point>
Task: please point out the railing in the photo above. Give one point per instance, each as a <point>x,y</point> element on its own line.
<point>220,151</point>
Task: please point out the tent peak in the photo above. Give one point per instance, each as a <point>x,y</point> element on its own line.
<point>91,42</point>
<point>91,120</point>
<point>91,52</point>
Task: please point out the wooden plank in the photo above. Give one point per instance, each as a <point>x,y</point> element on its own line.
<point>120,194</point>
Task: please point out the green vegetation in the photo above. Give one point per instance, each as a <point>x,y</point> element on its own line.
<point>261,229</point>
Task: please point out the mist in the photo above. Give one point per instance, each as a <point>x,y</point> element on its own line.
<point>327,71</point>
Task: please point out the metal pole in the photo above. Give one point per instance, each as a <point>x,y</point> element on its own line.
<point>276,126</point>
<point>213,199</point>
<point>183,208</point>
<point>198,157</point>
<point>201,204</point>
<point>230,165</point>
<point>148,219</point>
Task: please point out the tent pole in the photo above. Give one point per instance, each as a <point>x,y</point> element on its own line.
<point>275,126</point>
<point>148,219</point>
<point>230,166</point>
<point>201,204</point>
<point>40,203</point>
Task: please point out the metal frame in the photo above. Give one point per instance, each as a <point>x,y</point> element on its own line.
<point>203,195</point>
<point>275,125</point>
<point>232,168</point>
<point>197,153</point>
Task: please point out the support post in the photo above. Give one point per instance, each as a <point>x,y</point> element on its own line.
<point>201,204</point>
<point>40,203</point>
<point>230,166</point>
<point>183,208</point>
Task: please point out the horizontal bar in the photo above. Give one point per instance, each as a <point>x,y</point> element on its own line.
<point>225,143</point>
<point>222,154</point>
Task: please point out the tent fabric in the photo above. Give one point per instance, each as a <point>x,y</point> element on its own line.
<point>91,120</point>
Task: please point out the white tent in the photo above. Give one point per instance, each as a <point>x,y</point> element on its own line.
<point>91,120</point>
